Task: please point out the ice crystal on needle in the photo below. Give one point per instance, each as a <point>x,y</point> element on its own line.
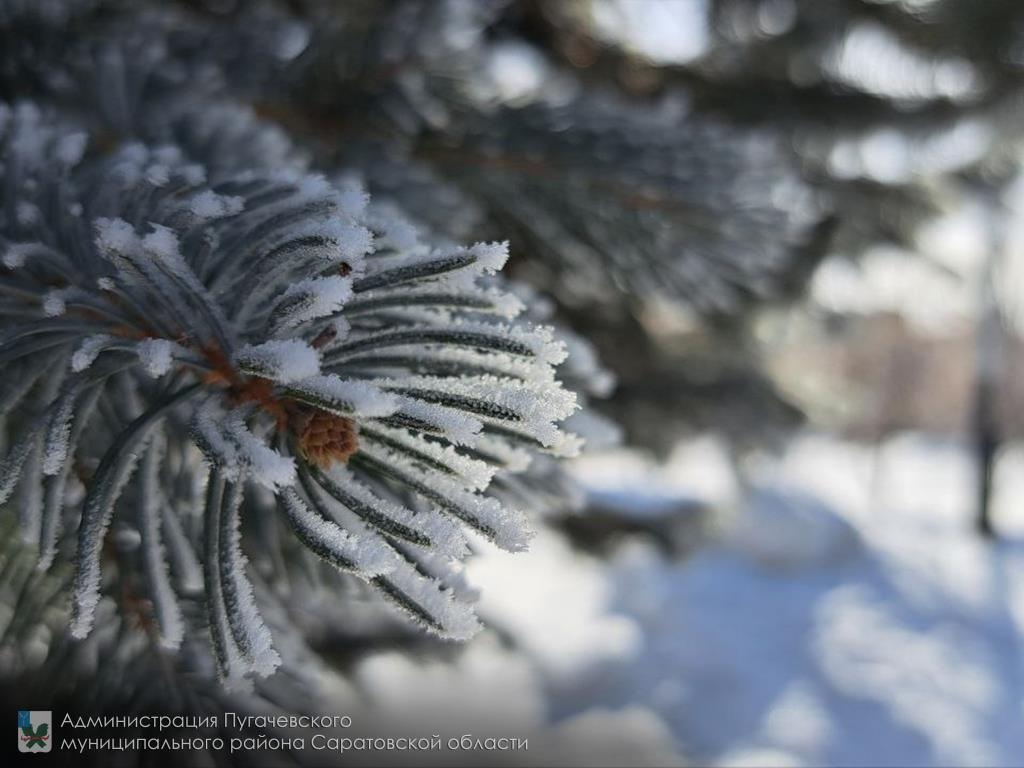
<point>374,384</point>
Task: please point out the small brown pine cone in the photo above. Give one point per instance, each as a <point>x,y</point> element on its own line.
<point>325,438</point>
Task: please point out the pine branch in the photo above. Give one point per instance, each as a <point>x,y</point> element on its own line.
<point>204,310</point>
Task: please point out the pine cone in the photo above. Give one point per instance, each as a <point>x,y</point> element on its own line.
<point>325,438</point>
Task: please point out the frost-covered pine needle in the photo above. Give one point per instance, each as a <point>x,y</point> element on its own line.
<point>193,322</point>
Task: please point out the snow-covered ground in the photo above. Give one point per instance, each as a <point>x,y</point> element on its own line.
<point>846,615</point>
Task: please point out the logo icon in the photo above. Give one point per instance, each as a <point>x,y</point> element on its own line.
<point>34,730</point>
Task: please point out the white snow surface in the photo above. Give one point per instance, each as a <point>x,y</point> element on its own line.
<point>210,205</point>
<point>283,360</point>
<point>157,355</point>
<point>491,691</point>
<point>846,613</point>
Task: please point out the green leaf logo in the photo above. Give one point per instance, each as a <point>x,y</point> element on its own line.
<point>33,737</point>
